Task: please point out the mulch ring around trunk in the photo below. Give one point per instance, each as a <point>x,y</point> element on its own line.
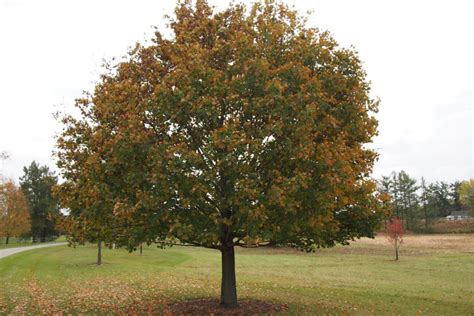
<point>212,307</point>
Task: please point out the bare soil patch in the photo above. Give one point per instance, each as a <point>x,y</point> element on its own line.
<point>212,307</point>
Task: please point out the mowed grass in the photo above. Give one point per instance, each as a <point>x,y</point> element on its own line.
<point>435,275</point>
<point>17,242</point>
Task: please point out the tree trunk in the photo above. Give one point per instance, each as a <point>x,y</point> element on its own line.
<point>99,253</point>
<point>396,250</point>
<point>426,217</point>
<point>272,243</point>
<point>228,284</point>
<point>410,210</point>
<point>6,242</point>
<point>141,249</point>
<point>406,220</point>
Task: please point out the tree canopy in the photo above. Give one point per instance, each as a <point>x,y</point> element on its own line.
<point>466,194</point>
<point>243,127</point>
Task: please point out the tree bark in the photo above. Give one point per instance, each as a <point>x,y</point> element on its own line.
<point>228,284</point>
<point>396,250</point>
<point>141,249</point>
<point>407,224</point>
<point>427,217</point>
<point>99,253</point>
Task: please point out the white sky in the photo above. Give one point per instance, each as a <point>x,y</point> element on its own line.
<point>418,55</point>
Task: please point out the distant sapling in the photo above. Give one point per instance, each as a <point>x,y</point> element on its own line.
<point>395,232</point>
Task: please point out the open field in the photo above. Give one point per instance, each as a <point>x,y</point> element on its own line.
<point>434,276</point>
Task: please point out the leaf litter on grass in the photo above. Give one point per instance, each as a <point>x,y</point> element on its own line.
<point>42,302</point>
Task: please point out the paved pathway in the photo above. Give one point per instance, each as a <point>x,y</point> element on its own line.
<point>12,251</point>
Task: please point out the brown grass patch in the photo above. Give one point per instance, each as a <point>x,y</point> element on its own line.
<point>445,226</point>
<point>431,243</point>
<point>412,245</point>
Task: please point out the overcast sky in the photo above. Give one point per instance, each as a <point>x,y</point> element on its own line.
<point>418,55</point>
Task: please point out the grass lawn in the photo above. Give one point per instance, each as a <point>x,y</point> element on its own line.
<point>16,242</point>
<point>434,276</point>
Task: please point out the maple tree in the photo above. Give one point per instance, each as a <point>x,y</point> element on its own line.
<point>395,232</point>
<point>89,215</point>
<point>14,215</point>
<point>243,127</point>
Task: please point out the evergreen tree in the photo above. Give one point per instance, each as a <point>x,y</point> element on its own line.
<point>37,184</point>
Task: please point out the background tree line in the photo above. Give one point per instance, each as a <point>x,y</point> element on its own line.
<point>29,210</point>
<point>419,203</point>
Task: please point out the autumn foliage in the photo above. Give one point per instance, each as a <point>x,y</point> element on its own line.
<point>14,214</point>
<point>243,127</point>
<point>395,231</point>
